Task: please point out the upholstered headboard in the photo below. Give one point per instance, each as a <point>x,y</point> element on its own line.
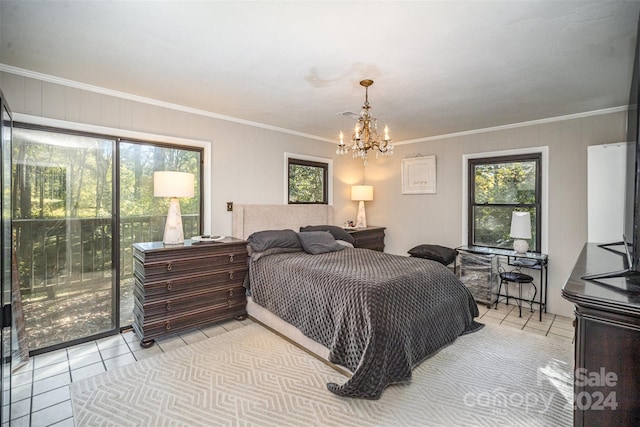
<point>250,218</point>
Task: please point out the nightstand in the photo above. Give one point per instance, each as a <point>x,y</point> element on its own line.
<point>369,238</point>
<point>181,287</point>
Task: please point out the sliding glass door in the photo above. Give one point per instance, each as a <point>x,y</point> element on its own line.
<point>63,227</point>
<point>79,203</point>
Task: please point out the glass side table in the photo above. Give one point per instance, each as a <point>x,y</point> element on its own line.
<point>528,260</point>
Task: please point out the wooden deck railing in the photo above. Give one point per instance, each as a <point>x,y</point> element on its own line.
<point>54,254</point>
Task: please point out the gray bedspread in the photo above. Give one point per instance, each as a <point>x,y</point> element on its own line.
<point>379,314</point>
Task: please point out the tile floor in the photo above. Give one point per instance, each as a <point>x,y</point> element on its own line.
<point>40,389</point>
<point>557,327</point>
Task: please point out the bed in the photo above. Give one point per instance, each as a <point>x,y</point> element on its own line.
<point>376,314</point>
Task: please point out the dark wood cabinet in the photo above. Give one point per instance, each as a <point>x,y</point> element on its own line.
<point>369,237</point>
<point>607,341</point>
<point>181,287</point>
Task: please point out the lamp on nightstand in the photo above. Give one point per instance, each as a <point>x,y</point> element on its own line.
<point>174,185</point>
<point>520,229</point>
<point>361,194</point>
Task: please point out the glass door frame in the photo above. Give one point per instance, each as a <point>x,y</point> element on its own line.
<point>6,269</point>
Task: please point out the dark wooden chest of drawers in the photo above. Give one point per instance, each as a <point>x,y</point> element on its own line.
<point>181,287</point>
<point>369,237</point>
<point>606,374</point>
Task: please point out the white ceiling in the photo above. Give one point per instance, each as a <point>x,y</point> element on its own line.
<point>439,67</point>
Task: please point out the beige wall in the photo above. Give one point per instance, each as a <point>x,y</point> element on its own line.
<point>248,167</point>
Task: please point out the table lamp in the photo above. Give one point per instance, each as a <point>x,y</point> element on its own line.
<point>173,184</point>
<point>361,194</point>
<point>520,229</point>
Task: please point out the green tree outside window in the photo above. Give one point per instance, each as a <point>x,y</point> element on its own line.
<point>307,182</point>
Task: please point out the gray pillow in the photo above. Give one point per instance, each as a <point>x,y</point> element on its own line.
<point>319,242</point>
<point>345,244</point>
<point>260,241</point>
<point>337,232</point>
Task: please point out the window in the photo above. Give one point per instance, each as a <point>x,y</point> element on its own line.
<point>497,187</point>
<point>307,181</point>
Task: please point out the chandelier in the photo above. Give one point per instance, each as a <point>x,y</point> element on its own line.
<point>365,134</point>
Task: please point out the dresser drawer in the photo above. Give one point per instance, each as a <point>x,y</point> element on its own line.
<point>176,267</point>
<point>169,307</point>
<point>169,287</point>
<point>151,329</point>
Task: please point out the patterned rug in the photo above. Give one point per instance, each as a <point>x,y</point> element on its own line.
<point>252,377</point>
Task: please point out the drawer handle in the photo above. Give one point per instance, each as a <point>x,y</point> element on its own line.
<point>231,275</point>
<point>228,303</point>
<point>167,326</point>
<point>169,286</point>
<point>169,267</point>
<point>230,292</point>
<point>231,258</point>
<point>168,307</point>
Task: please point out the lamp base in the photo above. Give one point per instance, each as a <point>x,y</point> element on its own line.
<point>173,233</point>
<point>520,246</point>
<point>361,219</point>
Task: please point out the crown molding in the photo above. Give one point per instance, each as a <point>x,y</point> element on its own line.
<point>518,125</point>
<point>177,107</point>
<point>109,92</point>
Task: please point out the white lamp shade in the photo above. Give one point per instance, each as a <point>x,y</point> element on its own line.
<point>362,193</point>
<point>520,225</point>
<point>173,184</point>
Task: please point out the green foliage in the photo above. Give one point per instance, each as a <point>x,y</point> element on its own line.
<point>499,188</point>
<point>137,164</point>
<point>306,184</point>
<point>70,176</point>
<point>57,175</point>
<point>512,183</point>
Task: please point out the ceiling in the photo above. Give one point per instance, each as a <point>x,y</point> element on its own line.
<point>440,67</point>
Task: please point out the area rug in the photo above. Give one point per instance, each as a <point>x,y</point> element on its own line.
<point>252,377</point>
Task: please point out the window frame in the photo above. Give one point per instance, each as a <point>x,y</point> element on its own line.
<point>304,160</point>
<point>532,156</point>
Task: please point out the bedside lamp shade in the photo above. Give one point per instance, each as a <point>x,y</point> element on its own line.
<point>361,194</point>
<point>173,185</point>
<point>520,229</point>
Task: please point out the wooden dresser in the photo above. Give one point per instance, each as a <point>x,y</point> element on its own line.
<point>181,287</point>
<point>369,237</point>
<point>607,344</point>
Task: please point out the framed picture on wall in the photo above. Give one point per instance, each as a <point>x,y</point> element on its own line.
<point>419,175</point>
